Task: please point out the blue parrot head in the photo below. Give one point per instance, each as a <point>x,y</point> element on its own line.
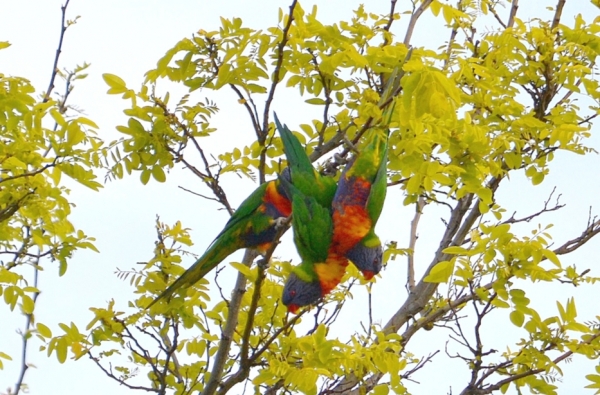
<point>298,293</point>
<point>368,260</point>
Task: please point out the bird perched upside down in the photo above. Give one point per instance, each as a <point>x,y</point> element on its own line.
<point>311,194</point>
<point>357,205</point>
<point>321,269</point>
<point>253,225</point>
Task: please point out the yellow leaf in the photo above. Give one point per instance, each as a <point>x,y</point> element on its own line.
<point>316,101</point>
<point>5,356</point>
<point>117,85</point>
<point>43,330</point>
<point>440,273</point>
<point>159,174</point>
<point>245,270</point>
<point>61,350</point>
<point>551,257</point>
<point>27,304</point>
<point>145,176</point>
<point>517,318</point>
<point>455,250</point>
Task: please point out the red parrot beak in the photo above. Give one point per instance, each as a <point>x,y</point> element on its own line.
<point>293,308</point>
<point>367,274</point>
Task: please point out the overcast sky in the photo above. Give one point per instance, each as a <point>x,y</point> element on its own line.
<point>126,38</point>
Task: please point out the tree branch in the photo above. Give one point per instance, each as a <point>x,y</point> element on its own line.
<point>558,13</point>
<point>235,303</point>
<point>413,20</point>
<point>410,281</point>
<point>513,13</point>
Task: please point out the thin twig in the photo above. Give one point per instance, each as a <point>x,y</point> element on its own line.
<point>388,25</point>
<point>110,374</point>
<point>25,335</point>
<point>63,29</point>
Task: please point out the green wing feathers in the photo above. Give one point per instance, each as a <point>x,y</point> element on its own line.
<point>251,225</point>
<point>245,210</point>
<point>379,185</point>
<point>312,224</point>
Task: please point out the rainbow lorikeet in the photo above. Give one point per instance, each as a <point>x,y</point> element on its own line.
<point>357,205</point>
<point>252,225</point>
<point>321,269</point>
<point>302,173</point>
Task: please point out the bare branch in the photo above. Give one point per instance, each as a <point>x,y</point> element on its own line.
<point>25,336</point>
<point>63,29</point>
<point>558,13</point>
<point>493,11</point>
<point>256,295</point>
<point>413,20</point>
<point>388,25</point>
<point>276,72</point>
<point>513,13</point>
<point>212,181</point>
<point>32,173</point>
<point>110,374</point>
<point>410,281</point>
<point>590,231</point>
<point>517,376</point>
<point>328,100</point>
<point>235,303</point>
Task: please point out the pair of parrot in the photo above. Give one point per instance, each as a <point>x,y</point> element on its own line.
<point>332,222</point>
<point>330,232</point>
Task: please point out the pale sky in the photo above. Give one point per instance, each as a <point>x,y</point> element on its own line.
<point>126,38</point>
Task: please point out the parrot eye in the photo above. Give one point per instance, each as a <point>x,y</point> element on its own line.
<point>293,293</point>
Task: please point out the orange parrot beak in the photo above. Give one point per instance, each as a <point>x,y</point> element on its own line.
<point>367,274</point>
<point>293,308</point>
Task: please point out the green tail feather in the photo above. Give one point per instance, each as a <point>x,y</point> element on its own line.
<point>294,152</point>
<point>220,249</point>
<point>304,176</point>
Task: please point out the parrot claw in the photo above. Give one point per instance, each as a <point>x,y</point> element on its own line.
<point>262,264</point>
<point>331,167</point>
<point>339,159</point>
<point>280,222</point>
<point>349,144</point>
